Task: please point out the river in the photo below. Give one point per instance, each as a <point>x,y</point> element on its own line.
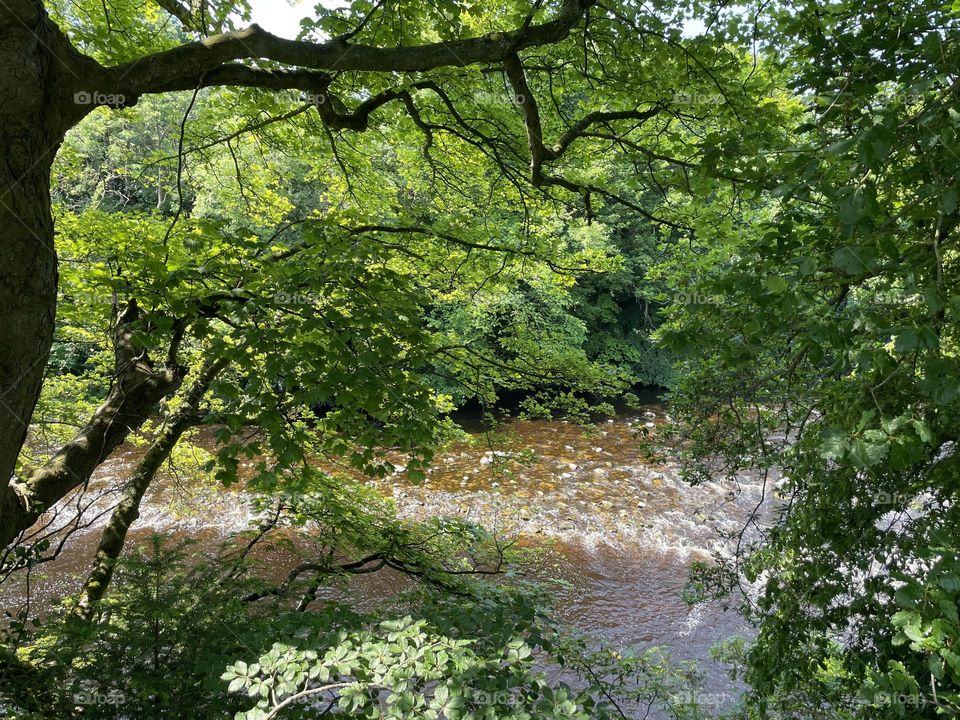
<point>619,531</point>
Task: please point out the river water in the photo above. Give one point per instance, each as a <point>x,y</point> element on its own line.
<point>619,531</point>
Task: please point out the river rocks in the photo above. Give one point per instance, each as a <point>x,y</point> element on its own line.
<point>490,455</point>
<point>593,488</point>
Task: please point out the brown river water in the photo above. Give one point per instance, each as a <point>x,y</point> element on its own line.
<point>619,532</point>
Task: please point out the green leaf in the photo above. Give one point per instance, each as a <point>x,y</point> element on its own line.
<point>833,443</point>
<point>775,284</point>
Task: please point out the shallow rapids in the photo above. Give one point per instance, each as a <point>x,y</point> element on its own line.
<point>618,532</point>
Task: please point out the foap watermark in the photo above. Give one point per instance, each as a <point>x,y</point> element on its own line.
<point>500,98</point>
<point>95,97</point>
<point>890,699</point>
<point>305,97</point>
<point>696,298</point>
<point>93,697</point>
<point>490,697</point>
<point>883,97</point>
<point>93,298</point>
<point>890,97</point>
<point>295,298</point>
<point>895,297</point>
<point>889,498</point>
<point>713,700</point>
<point>698,98</point>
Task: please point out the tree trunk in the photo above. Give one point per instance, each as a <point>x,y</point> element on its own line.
<point>28,262</point>
<point>28,286</point>
<point>126,513</point>
<point>30,134</point>
<point>45,86</point>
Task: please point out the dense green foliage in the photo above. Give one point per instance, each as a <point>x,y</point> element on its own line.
<point>830,358</point>
<point>761,215</point>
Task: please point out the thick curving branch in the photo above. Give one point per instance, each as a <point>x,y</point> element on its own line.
<point>210,61</point>
<point>126,513</point>
<point>540,153</point>
<point>138,387</point>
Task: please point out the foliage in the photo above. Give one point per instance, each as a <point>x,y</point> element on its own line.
<point>174,622</point>
<point>620,307</point>
<point>490,229</point>
<point>828,353</point>
<point>924,667</point>
<point>399,660</point>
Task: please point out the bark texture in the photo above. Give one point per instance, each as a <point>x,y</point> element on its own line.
<point>126,513</point>
<point>40,76</point>
<point>28,264</point>
<point>136,392</point>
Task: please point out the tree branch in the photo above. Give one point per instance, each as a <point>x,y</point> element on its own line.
<point>208,61</point>
<point>136,390</point>
<point>541,154</point>
<point>126,513</point>
<point>180,12</point>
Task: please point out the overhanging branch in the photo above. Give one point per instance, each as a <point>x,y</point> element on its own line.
<point>207,61</point>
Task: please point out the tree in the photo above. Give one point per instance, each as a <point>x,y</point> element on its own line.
<point>53,86</point>
<point>830,354</point>
<point>437,152</point>
<point>71,61</point>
